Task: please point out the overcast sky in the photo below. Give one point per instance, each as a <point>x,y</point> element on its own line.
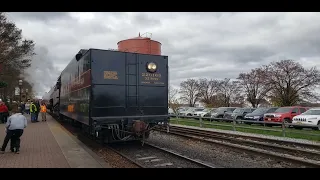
<point>212,45</point>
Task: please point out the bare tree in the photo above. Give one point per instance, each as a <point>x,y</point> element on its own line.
<point>254,86</point>
<point>207,91</point>
<point>172,94</point>
<point>229,91</point>
<point>291,82</point>
<point>239,100</point>
<point>173,98</point>
<point>218,100</point>
<point>189,91</point>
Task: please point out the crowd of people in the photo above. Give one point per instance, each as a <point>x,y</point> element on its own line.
<point>17,122</point>
<point>34,108</point>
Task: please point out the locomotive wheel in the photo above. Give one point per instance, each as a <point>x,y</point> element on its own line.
<point>86,131</point>
<point>147,134</point>
<point>60,117</point>
<point>106,136</point>
<point>103,137</point>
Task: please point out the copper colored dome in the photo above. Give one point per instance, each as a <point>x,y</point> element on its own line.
<point>142,45</point>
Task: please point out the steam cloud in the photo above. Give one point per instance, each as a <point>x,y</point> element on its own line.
<point>42,74</point>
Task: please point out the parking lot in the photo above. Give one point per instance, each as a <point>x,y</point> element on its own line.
<point>238,119</point>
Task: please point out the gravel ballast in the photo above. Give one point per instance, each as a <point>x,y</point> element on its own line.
<point>112,158</point>
<point>218,156</point>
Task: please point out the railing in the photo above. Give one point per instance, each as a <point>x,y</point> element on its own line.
<point>239,123</point>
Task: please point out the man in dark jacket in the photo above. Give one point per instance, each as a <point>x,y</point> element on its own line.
<point>38,110</point>
<point>22,107</point>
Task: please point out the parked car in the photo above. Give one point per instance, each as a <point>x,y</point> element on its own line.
<point>238,113</point>
<point>203,113</point>
<point>284,114</point>
<point>189,112</point>
<point>219,113</point>
<point>208,114</point>
<point>310,117</point>
<point>258,114</point>
<point>171,112</point>
<point>181,109</point>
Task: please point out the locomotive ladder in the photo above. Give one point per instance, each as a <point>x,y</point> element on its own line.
<point>132,64</point>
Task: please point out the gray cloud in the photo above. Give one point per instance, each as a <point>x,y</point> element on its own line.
<point>143,19</point>
<point>40,16</point>
<point>212,45</point>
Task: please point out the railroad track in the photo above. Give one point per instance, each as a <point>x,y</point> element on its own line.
<point>304,154</point>
<point>152,156</point>
<point>146,156</point>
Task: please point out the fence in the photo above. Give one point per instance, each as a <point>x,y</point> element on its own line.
<point>237,123</point>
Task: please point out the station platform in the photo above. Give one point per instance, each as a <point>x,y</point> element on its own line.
<point>49,145</point>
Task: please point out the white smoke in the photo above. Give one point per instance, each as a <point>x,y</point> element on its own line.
<point>42,74</point>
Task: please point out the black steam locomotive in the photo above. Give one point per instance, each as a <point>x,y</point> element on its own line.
<point>112,95</point>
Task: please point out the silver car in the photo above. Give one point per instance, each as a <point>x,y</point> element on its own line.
<point>189,112</point>
<point>220,112</point>
<point>203,113</point>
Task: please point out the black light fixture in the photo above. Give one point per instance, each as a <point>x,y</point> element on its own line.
<point>78,56</point>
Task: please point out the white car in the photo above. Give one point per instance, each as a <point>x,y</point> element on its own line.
<point>183,112</point>
<point>310,117</point>
<point>171,112</point>
<point>201,113</point>
<point>189,112</point>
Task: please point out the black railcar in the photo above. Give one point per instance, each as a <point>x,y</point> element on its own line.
<point>55,100</point>
<point>114,95</point>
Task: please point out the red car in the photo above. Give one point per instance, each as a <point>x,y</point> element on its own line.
<point>284,114</point>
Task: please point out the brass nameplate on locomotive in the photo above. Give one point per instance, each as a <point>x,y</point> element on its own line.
<point>110,75</point>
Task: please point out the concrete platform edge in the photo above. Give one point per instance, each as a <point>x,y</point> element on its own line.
<point>75,139</point>
<point>93,154</point>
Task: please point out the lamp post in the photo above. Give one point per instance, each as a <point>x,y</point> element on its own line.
<point>20,85</point>
<point>26,95</point>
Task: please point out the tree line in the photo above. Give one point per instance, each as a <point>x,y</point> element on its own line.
<point>283,83</point>
<point>15,56</point>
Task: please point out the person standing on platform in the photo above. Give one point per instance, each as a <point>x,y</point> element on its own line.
<point>27,107</point>
<point>38,109</point>
<point>43,112</point>
<point>14,129</point>
<point>22,106</point>
<point>4,112</point>
<point>33,110</point>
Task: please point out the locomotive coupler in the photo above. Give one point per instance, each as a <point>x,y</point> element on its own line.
<point>139,127</point>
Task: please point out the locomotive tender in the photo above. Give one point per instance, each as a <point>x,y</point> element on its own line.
<point>113,95</point>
